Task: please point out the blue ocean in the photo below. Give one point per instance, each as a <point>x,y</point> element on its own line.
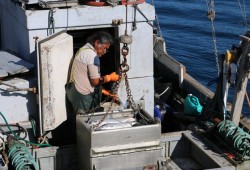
<point>188,35</point>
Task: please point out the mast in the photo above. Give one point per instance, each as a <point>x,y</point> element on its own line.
<point>242,79</point>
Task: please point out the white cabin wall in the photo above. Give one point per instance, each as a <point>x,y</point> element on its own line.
<point>140,61</point>
<point>142,90</point>
<point>18,106</point>
<point>34,23</point>
<point>86,16</point>
<point>19,26</point>
<point>140,57</point>
<point>36,1</point>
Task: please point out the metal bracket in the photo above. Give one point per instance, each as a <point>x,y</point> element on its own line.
<point>117,22</point>
<point>144,16</point>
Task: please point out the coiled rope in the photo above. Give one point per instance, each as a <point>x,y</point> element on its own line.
<point>235,136</point>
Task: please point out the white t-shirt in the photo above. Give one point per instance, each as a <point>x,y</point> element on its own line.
<point>86,66</point>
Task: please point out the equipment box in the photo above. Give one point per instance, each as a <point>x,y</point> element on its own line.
<point>116,145</point>
<point>45,157</point>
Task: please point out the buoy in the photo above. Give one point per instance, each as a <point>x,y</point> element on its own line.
<point>126,39</point>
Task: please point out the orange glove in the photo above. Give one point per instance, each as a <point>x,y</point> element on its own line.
<point>112,77</point>
<point>107,93</point>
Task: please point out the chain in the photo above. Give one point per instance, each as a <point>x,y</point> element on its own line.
<point>134,106</point>
<point>124,67</point>
<point>114,90</point>
<point>131,101</point>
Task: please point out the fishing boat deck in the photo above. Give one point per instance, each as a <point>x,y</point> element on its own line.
<point>187,150</point>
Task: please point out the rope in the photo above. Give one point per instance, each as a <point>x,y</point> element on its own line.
<point>157,20</point>
<point>243,12</point>
<point>215,49</point>
<point>126,30</point>
<point>235,136</point>
<point>211,16</point>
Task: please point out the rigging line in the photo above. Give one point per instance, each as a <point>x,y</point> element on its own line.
<point>211,16</point>
<point>157,20</point>
<point>215,49</point>
<point>126,30</point>
<point>208,4</point>
<point>243,12</point>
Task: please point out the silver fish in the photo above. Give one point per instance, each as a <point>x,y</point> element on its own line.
<point>111,126</point>
<point>108,121</point>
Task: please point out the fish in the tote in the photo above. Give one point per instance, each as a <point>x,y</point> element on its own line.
<point>111,126</point>
<point>113,123</point>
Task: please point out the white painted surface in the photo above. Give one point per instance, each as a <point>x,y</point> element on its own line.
<point>140,57</point>
<point>29,24</point>
<point>141,88</point>
<point>20,105</point>
<point>82,16</point>
<point>55,55</point>
<point>36,1</point>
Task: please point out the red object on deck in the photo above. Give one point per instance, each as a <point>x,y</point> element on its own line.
<point>131,2</point>
<point>94,3</point>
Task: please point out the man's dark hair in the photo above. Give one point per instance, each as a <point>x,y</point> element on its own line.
<point>102,36</point>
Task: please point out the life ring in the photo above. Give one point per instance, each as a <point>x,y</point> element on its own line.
<point>94,3</point>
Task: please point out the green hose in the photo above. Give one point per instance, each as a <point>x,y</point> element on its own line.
<point>18,138</point>
<point>21,157</point>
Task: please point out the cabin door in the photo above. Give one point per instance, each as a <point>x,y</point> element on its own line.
<point>53,58</point>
